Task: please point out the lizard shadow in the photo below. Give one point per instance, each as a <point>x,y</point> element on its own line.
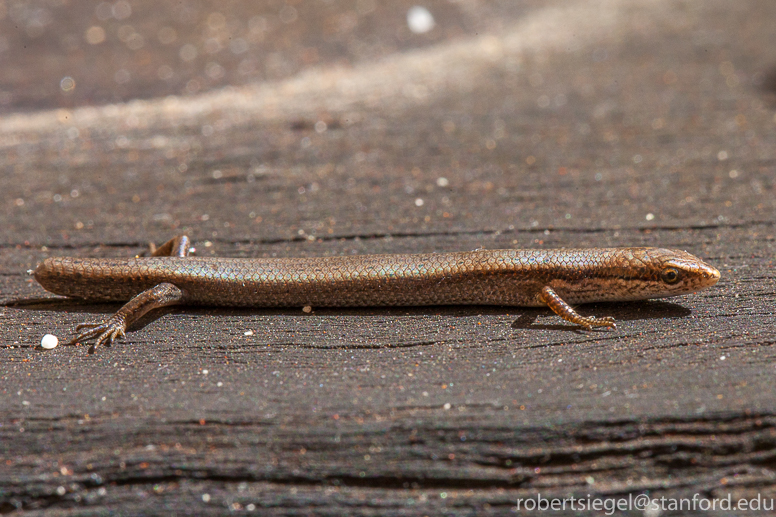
<point>622,311</point>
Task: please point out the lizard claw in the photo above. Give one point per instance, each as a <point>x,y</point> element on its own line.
<point>103,333</point>
<point>606,321</point>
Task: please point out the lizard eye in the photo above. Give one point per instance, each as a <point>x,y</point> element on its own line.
<point>670,275</point>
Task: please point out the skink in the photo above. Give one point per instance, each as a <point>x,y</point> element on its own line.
<point>527,278</point>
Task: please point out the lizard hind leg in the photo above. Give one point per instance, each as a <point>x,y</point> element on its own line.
<point>179,246</point>
<point>105,332</point>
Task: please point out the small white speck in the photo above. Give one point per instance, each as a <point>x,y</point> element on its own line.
<point>49,341</point>
<point>420,20</point>
<point>722,358</point>
<point>68,84</point>
<point>650,216</point>
<point>248,333</point>
<point>447,405</point>
<point>419,202</point>
<point>205,498</point>
<point>733,174</point>
<point>442,182</point>
<point>205,372</point>
<point>722,156</point>
<point>219,384</point>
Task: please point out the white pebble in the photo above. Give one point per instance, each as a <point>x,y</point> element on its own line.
<point>49,341</point>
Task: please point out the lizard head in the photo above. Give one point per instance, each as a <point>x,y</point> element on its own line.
<point>666,272</point>
<point>683,273</point>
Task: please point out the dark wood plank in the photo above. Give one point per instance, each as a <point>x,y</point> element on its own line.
<point>556,125</point>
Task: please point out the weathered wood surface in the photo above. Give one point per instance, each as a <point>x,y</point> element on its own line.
<point>562,124</point>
